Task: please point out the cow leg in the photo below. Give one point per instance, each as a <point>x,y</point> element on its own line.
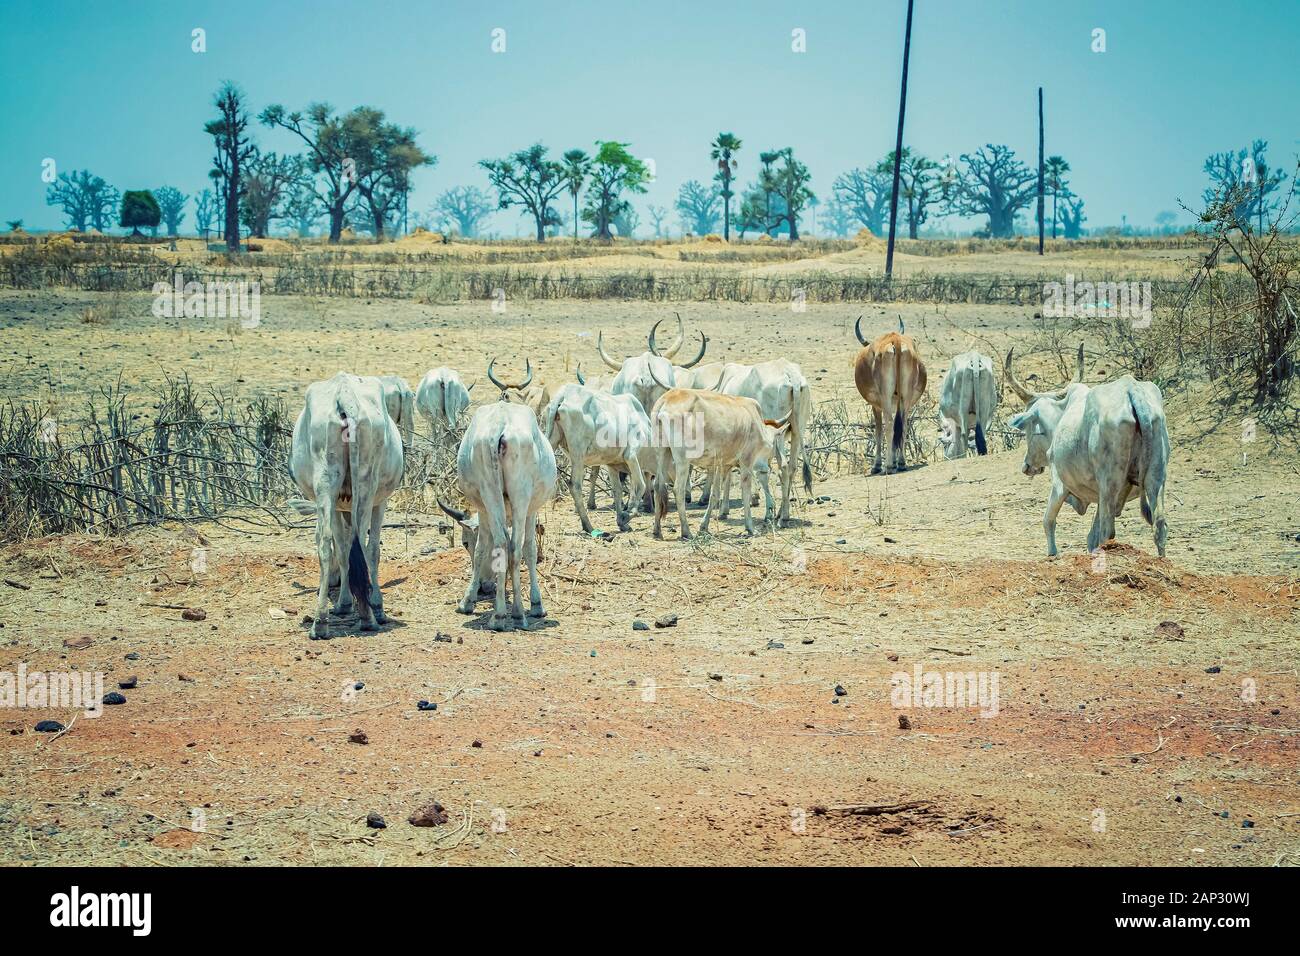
<point>787,484</point>
<point>763,472</point>
<point>519,542</point>
<point>681,479</point>
<point>501,562</point>
<point>361,528</point>
<point>724,504</point>
<point>1103,528</point>
<point>624,514</point>
<point>341,530</point>
<point>591,494</point>
<point>376,596</point>
<point>746,486</point>
<point>1055,498</point>
<point>576,489</point>
<point>470,600</point>
<point>320,626</point>
<point>875,468</point>
<point>896,446</point>
<point>535,608</point>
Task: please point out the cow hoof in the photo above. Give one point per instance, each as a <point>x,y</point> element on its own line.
<point>501,624</point>
<point>876,469</point>
<point>320,632</point>
<point>463,608</point>
<point>537,611</point>
<point>380,617</point>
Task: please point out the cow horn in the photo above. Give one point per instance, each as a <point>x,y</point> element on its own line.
<point>471,388</point>
<point>901,329</point>
<point>578,374</point>
<point>600,347</point>
<point>458,515</point>
<point>650,342</point>
<point>681,338</point>
<point>651,366</point>
<point>778,425</point>
<point>1026,396</point>
<point>528,369</point>
<point>857,330</point>
<point>493,379</point>
<point>704,344</point>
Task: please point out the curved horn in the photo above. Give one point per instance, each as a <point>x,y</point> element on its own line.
<point>578,373</point>
<point>493,379</point>
<point>651,367</point>
<point>528,369</point>
<point>1078,375</point>
<point>778,425</point>
<point>901,330</point>
<point>681,338</point>
<point>704,344</point>
<point>471,388</point>
<point>458,515</point>
<point>1026,396</point>
<point>857,330</point>
<point>650,342</point>
<point>600,347</point>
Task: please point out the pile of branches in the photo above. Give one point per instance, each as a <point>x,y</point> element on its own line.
<point>191,456</point>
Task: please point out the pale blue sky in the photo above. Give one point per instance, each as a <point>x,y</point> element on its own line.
<point>113,86</point>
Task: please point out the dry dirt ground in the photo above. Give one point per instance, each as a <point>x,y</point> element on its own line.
<point>721,740</point>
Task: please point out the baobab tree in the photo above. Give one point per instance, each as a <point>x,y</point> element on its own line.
<point>467,206</point>
<point>613,172</point>
<point>697,205</point>
<point>994,184</point>
<point>87,200</point>
<point>172,203</point>
<point>865,194</point>
<point>234,148</point>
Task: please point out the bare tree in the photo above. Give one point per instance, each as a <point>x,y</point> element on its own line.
<point>467,206</point>
<point>698,206</point>
<point>87,201</point>
<point>171,201</point>
<point>530,180</point>
<point>268,180</point>
<point>994,184</point>
<point>234,149</point>
<point>865,195</point>
<point>205,207</point>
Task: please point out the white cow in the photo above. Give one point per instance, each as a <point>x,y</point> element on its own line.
<point>506,471</point>
<point>634,372</point>
<point>1105,445</point>
<point>441,399</point>
<point>597,429</point>
<point>966,403</point>
<point>715,432</point>
<point>399,402</point>
<point>782,392</point>
<point>346,459</point>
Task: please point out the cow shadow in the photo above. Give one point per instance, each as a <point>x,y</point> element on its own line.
<point>483,622</point>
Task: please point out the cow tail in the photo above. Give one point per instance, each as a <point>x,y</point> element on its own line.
<point>496,506</point>
<point>1151,458</point>
<point>898,428</point>
<point>358,570</point>
<point>800,405</point>
<point>981,445</point>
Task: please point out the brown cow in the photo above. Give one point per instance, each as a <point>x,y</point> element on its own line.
<point>890,376</point>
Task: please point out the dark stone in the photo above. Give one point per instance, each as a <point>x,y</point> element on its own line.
<point>113,697</point>
<point>640,626</point>
<point>129,683</point>
<point>666,620</point>
<point>840,691</point>
<point>49,727</point>
<point>375,821</point>
<point>426,705</point>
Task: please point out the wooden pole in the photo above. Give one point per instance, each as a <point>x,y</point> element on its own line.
<point>898,146</point>
<point>1040,170</point>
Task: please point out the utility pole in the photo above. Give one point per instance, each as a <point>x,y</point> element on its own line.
<point>898,146</point>
<point>1040,170</point>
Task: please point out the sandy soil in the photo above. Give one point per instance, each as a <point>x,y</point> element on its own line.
<point>583,741</point>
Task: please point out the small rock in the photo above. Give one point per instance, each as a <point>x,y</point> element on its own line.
<point>717,677</point>
<point>841,540</point>
<point>666,620</point>
<point>426,705</point>
<point>431,815</point>
<point>808,640</point>
<point>113,697</point>
<point>640,626</point>
<point>375,821</point>
<point>133,656</point>
<point>442,638</point>
<point>775,646</point>
<point>1169,630</point>
<point>1213,670</point>
<point>477,743</point>
<point>49,727</point>
<point>1248,824</point>
<point>194,614</point>
<point>358,736</point>
<point>891,657</point>
<point>904,722</point>
<point>129,683</point>
<point>840,691</point>
<point>185,677</point>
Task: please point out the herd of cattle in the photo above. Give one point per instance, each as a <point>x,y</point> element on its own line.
<point>1104,445</point>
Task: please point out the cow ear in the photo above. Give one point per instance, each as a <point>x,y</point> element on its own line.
<point>1020,422</point>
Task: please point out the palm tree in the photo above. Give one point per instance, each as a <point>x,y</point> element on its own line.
<point>1055,170</point>
<point>722,153</point>
<point>574,169</point>
<point>765,182</point>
